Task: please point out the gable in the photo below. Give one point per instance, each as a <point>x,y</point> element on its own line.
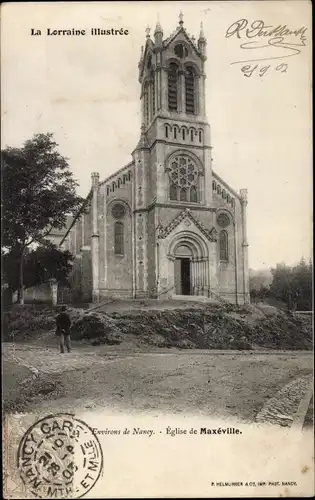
<point>188,219</point>
<point>180,35</point>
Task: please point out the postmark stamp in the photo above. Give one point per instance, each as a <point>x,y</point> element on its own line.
<point>59,456</point>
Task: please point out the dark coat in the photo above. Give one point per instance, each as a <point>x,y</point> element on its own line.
<point>63,323</point>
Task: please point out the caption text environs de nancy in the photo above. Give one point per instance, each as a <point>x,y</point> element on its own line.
<point>79,32</point>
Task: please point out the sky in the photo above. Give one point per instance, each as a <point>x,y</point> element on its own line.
<point>85,91</point>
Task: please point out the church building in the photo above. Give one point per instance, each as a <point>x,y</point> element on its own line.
<point>165,225</point>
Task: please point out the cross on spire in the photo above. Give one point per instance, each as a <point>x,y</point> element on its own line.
<point>181,22</point>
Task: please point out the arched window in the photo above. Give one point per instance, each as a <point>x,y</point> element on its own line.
<point>200,135</point>
<point>183,194</point>
<point>153,94</point>
<point>146,102</point>
<point>175,133</point>
<point>173,192</point>
<point>172,87</point>
<point>183,134</point>
<point>190,90</point>
<point>166,131</point>
<point>214,185</point>
<point>119,238</point>
<point>223,242</point>
<point>223,194</point>
<point>218,189</point>
<point>193,194</point>
<point>183,179</point>
<point>228,198</point>
<point>192,135</point>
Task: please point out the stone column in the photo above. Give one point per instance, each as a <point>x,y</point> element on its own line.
<point>158,89</point>
<point>201,104</point>
<point>95,238</point>
<point>54,291</point>
<point>243,193</point>
<point>192,276</point>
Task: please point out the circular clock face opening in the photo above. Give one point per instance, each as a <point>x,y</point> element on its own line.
<point>181,51</point>
<point>118,211</point>
<point>223,220</point>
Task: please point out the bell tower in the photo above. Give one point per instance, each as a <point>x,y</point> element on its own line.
<point>173,114</point>
<point>172,160</point>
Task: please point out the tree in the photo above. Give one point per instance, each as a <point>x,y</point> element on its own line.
<point>40,265</point>
<point>46,263</point>
<point>293,285</point>
<point>38,192</point>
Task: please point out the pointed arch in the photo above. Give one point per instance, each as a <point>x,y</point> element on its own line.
<point>146,102</point>
<point>119,238</point>
<point>190,90</point>
<point>172,87</point>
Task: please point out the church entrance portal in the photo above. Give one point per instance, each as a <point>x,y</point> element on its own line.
<point>182,269</point>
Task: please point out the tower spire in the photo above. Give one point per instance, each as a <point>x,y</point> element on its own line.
<point>158,27</point>
<point>202,34</point>
<point>181,19</point>
<point>147,30</point>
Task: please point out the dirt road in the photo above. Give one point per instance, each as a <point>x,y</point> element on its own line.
<point>225,384</point>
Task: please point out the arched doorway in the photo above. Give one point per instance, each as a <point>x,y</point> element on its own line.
<point>190,255</point>
<point>182,268</point>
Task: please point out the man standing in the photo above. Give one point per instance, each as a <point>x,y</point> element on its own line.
<point>63,323</point>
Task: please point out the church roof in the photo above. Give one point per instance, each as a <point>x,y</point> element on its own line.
<point>225,184</point>
<point>119,171</point>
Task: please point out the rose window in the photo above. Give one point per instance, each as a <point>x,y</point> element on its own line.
<point>183,174</point>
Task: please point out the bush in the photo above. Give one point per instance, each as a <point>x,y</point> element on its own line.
<point>97,327</point>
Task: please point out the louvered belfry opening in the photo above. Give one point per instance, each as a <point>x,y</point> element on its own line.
<point>190,91</point>
<point>153,94</point>
<point>146,103</point>
<point>172,87</point>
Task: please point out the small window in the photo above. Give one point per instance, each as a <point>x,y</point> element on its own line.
<point>214,185</point>
<point>173,192</point>
<point>183,134</point>
<point>228,198</point>
<point>192,136</point>
<point>183,194</point>
<point>193,194</point>
<point>166,131</point>
<point>119,238</point>
<point>223,242</point>
<point>218,189</point>
<point>223,194</point>
<point>175,133</point>
<point>118,211</point>
<point>200,136</point>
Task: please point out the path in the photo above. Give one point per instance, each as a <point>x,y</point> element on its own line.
<point>245,386</point>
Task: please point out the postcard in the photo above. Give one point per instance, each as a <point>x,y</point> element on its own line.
<point>157,285</point>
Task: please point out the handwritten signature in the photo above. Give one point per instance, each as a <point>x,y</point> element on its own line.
<point>266,36</point>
